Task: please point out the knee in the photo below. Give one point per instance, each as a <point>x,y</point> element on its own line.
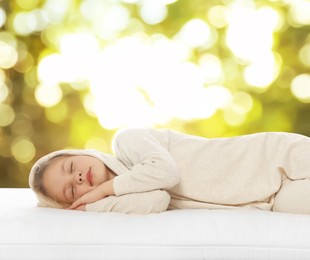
<point>293,197</point>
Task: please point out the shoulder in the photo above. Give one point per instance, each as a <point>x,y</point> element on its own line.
<point>133,133</point>
<point>139,139</point>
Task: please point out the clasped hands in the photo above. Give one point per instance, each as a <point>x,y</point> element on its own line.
<point>103,190</point>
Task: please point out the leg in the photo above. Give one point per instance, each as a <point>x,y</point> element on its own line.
<point>293,197</point>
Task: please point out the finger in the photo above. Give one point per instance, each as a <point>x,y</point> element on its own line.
<point>82,207</point>
<point>75,204</point>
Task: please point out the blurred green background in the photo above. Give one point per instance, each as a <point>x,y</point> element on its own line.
<point>72,73</point>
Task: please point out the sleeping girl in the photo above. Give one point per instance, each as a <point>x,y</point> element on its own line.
<point>157,170</point>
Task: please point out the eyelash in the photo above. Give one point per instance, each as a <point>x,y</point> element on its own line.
<point>72,191</point>
<point>71,170</point>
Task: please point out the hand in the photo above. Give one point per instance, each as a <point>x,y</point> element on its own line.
<point>88,197</point>
<point>103,190</point>
<point>82,207</point>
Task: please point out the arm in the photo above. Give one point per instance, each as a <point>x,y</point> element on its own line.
<point>151,167</point>
<point>135,203</point>
<point>103,190</point>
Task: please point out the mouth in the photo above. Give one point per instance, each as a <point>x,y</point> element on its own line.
<point>89,177</point>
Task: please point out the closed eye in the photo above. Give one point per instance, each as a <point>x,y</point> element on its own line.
<point>71,167</point>
<point>72,191</point>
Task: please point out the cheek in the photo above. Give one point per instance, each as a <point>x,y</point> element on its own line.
<point>51,188</point>
<point>101,174</point>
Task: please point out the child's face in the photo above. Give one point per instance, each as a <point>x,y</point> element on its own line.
<point>69,177</point>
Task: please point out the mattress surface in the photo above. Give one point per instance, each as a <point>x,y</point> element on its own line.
<point>28,232</point>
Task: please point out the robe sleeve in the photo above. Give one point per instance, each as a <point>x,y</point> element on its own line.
<point>134,203</point>
<point>151,167</point>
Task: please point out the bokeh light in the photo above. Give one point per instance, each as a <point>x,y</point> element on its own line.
<point>211,68</point>
<point>72,73</point>
<point>304,55</point>
<point>263,71</point>
<point>218,16</point>
<point>299,12</point>
<point>2,17</point>
<point>48,95</point>
<point>107,18</point>
<point>7,115</point>
<point>8,55</point>
<point>301,87</point>
<point>4,92</point>
<point>153,12</point>
<point>196,33</point>
<point>23,149</point>
<point>250,32</point>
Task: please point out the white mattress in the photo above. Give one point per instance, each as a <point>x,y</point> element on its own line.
<point>28,232</point>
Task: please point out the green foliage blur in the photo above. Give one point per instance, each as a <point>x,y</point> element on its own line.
<point>45,108</point>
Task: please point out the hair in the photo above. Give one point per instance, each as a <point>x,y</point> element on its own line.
<point>45,200</point>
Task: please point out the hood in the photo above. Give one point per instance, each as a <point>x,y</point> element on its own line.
<point>109,160</point>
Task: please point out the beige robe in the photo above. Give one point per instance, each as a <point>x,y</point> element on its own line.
<point>163,169</point>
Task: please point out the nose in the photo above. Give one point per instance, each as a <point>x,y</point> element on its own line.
<point>78,177</point>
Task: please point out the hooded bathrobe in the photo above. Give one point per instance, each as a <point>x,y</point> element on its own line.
<point>162,169</point>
